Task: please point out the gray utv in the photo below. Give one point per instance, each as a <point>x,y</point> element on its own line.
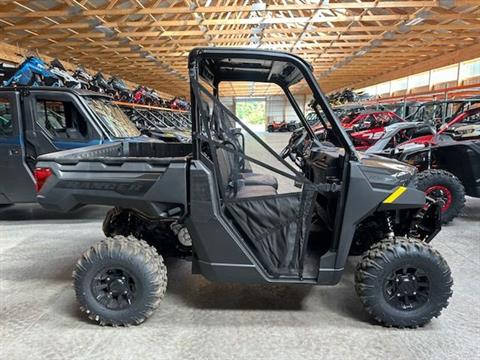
<point>242,213</point>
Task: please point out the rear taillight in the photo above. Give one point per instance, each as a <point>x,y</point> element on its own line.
<point>41,175</point>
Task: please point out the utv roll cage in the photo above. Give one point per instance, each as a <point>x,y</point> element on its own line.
<point>331,184</point>
<point>285,254</point>
<point>282,69</point>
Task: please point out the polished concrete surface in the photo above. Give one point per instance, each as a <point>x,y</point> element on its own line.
<point>39,317</point>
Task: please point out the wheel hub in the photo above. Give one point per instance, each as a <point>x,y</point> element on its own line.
<point>442,193</point>
<point>407,288</point>
<point>114,288</point>
<point>407,284</point>
<point>117,287</point>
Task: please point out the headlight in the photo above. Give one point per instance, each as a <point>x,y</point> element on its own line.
<point>387,178</point>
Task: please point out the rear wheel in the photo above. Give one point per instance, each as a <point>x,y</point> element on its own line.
<point>403,282</point>
<point>446,187</point>
<point>120,281</point>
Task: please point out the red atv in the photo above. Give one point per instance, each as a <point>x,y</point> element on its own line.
<point>365,129</point>
<point>282,126</point>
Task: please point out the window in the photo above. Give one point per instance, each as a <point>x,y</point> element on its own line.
<point>383,88</point>
<point>470,69</point>
<point>419,80</point>
<point>444,75</point>
<point>400,84</point>
<point>6,128</point>
<point>61,119</point>
<point>371,90</point>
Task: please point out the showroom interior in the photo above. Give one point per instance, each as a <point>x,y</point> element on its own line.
<point>239,179</point>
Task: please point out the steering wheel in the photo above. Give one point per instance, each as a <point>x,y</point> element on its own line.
<point>292,145</point>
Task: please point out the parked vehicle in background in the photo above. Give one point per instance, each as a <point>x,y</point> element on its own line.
<point>448,169</point>
<point>450,129</point>
<point>36,121</point>
<point>439,113</point>
<point>367,128</point>
<point>121,90</point>
<point>274,126</point>
<point>57,68</point>
<point>101,85</point>
<point>179,103</point>
<point>33,72</point>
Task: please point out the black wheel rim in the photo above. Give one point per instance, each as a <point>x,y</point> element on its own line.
<point>114,288</point>
<point>407,288</point>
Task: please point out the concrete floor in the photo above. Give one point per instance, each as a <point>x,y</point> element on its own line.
<point>39,317</point>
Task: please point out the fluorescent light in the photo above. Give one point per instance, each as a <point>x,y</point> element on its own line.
<point>414,22</point>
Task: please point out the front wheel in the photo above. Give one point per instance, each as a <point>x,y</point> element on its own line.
<point>444,186</point>
<point>120,281</point>
<point>403,282</point>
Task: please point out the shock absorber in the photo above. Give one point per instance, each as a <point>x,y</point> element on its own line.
<point>390,233</point>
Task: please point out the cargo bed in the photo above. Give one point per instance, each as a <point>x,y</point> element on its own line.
<point>150,177</point>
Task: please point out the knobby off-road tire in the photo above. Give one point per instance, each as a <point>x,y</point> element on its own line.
<point>120,281</point>
<point>403,282</point>
<point>443,184</point>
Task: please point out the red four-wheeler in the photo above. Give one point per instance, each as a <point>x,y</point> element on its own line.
<point>282,126</point>
<point>366,129</point>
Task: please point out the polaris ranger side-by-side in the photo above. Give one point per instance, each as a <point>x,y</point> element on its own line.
<point>238,213</point>
<point>36,121</point>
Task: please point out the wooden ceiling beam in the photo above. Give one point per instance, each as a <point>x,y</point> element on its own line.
<point>222,9</point>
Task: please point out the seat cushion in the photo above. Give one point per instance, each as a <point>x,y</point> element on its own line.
<point>255,190</point>
<point>250,178</point>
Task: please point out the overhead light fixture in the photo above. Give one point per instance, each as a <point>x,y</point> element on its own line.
<point>124,41</point>
<point>376,43</point>
<point>105,30</point>
<point>93,23</point>
<point>74,10</point>
<point>259,6</point>
<point>198,18</point>
<point>404,28</point>
<point>419,18</point>
<point>257,30</point>
<point>361,52</point>
<point>446,4</point>
<point>389,35</point>
<point>135,48</point>
<point>414,21</point>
